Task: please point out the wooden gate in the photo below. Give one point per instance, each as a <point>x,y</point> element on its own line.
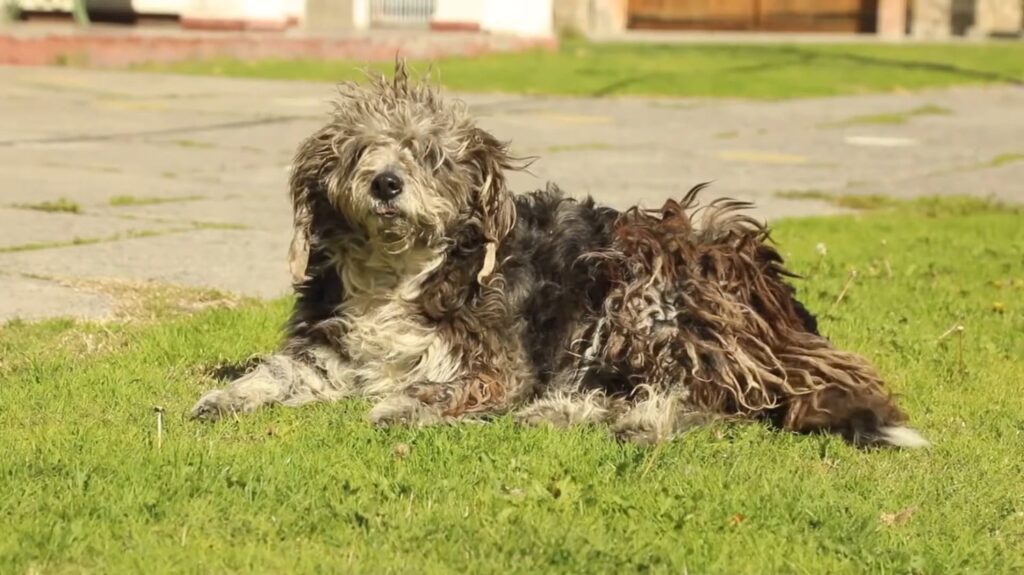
<point>765,15</point>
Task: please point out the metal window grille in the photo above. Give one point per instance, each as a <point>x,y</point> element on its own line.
<point>401,13</point>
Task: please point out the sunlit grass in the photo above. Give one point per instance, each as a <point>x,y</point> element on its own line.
<point>762,71</point>
<point>84,486</point>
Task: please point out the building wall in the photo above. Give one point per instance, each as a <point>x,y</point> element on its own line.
<point>139,6</point>
<point>590,17</point>
<point>523,17</point>
<point>519,17</point>
<point>998,17</point>
<point>45,5</point>
<point>571,16</point>
<point>220,9</point>
<point>250,10</point>
<point>459,12</point>
<point>142,6</point>
<point>937,19</point>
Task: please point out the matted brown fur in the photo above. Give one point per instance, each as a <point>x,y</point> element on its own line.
<point>699,302</point>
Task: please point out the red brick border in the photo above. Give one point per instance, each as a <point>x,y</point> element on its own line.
<point>111,49</point>
<point>455,26</point>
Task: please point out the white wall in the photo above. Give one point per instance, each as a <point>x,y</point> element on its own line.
<point>295,8</point>
<point>520,17</point>
<point>154,6</point>
<point>247,9</point>
<point>259,10</point>
<point>360,14</point>
<point>45,5</point>
<point>459,11</point>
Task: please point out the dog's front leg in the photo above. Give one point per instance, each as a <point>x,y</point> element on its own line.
<point>475,395</point>
<point>318,375</point>
<point>418,404</point>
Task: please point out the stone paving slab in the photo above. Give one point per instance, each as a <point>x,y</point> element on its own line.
<point>238,261</point>
<point>33,299</point>
<point>92,185</point>
<point>260,213</point>
<point>1004,183</point>
<point>23,227</point>
<point>200,152</point>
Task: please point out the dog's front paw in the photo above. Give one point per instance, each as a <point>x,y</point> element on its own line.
<point>640,433</point>
<point>404,410</point>
<point>562,411</point>
<point>212,406</point>
<point>649,425</point>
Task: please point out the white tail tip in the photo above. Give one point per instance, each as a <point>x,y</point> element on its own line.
<point>903,437</point>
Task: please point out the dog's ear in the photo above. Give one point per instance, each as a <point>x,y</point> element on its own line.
<point>494,201</point>
<point>298,250</point>
<point>314,159</point>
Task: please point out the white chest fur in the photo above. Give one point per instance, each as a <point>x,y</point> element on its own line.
<point>388,342</point>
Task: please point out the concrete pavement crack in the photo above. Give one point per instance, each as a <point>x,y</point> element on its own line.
<point>131,235</point>
<point>162,132</point>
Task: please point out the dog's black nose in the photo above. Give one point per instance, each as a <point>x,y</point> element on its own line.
<point>386,186</point>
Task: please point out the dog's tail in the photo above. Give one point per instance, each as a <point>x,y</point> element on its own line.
<point>899,436</point>
<point>870,432</point>
<point>864,416</point>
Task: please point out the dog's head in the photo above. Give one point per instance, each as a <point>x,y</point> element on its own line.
<point>398,166</point>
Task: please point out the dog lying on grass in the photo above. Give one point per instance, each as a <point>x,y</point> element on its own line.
<point>424,284</point>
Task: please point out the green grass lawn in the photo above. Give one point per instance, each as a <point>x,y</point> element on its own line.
<point>84,486</point>
<point>763,71</point>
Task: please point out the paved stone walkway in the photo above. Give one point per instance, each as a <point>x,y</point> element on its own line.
<point>183,180</point>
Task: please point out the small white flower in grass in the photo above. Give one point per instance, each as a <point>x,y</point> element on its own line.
<point>822,250</point>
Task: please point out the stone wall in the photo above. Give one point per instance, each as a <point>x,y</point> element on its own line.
<point>932,19</point>
<point>998,17</point>
<point>938,19</point>
<point>590,17</point>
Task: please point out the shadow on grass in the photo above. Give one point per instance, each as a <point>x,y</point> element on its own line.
<point>229,371</point>
<point>617,85</point>
<point>910,65</point>
<point>799,59</point>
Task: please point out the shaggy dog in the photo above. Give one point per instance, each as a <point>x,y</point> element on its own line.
<point>425,285</point>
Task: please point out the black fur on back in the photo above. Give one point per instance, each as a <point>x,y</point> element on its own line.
<point>548,281</point>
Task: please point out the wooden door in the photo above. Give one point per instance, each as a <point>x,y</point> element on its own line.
<point>818,15</point>
<point>693,14</point>
<point>770,15</point>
